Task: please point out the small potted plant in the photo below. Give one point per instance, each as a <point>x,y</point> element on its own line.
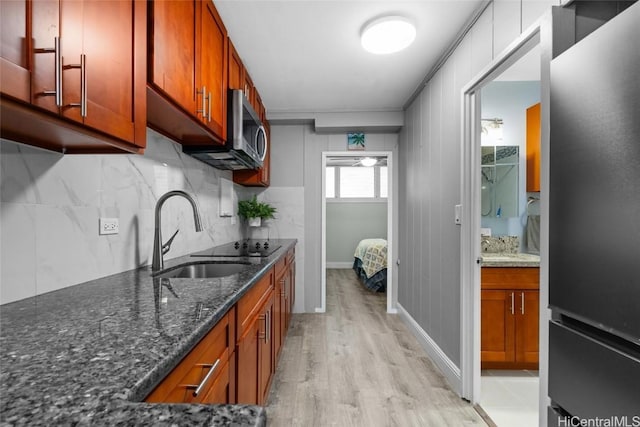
<point>254,211</point>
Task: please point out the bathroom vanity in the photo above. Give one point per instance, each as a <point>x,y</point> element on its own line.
<point>510,311</point>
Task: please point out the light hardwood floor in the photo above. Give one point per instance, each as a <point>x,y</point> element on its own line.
<point>356,365</point>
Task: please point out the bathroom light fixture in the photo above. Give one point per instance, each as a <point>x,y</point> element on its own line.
<point>388,34</point>
<point>368,161</point>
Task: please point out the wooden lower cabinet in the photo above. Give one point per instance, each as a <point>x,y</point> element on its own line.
<point>248,361</point>
<point>204,375</point>
<point>509,319</point>
<point>236,360</point>
<point>254,348</point>
<point>266,351</point>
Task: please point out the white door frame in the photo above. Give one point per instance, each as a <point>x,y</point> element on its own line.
<point>391,302</point>
<point>470,191</point>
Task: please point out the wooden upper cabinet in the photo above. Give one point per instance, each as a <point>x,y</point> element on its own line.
<point>172,51</point>
<point>187,72</point>
<point>533,148</point>
<point>86,63</point>
<point>248,87</point>
<point>110,94</point>
<point>213,69</point>
<point>15,67</point>
<point>236,68</point>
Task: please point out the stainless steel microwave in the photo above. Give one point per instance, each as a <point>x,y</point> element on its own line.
<point>246,145</point>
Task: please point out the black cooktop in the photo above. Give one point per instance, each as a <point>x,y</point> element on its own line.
<point>249,247</point>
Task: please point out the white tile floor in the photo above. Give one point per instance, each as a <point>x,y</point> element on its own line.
<point>510,398</point>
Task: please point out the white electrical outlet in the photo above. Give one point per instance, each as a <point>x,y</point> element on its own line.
<point>457,216</point>
<point>109,226</point>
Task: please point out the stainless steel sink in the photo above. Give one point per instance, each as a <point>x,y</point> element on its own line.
<point>205,270</point>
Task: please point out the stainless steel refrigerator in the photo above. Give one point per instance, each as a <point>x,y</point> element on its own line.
<point>594,227</point>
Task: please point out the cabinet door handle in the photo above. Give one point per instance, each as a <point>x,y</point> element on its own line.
<point>267,322</point>
<point>203,111</point>
<point>209,109</point>
<point>268,331</point>
<point>522,302</point>
<point>512,303</point>
<point>57,92</point>
<point>83,84</point>
<point>205,379</point>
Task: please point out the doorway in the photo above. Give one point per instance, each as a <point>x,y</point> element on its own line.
<point>474,206</point>
<point>381,177</point>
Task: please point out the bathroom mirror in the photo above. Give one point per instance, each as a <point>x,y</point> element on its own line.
<point>499,180</point>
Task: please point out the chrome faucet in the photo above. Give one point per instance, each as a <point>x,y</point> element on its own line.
<point>160,249</point>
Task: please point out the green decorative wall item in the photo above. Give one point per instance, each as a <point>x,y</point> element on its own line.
<point>355,141</point>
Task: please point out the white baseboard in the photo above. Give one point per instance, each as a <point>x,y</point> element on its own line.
<point>340,264</point>
<point>446,365</point>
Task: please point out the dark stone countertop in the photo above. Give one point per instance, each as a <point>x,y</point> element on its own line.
<point>89,354</point>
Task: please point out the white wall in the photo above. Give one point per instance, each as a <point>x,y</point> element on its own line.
<point>296,175</point>
<point>430,165</point>
<point>50,205</point>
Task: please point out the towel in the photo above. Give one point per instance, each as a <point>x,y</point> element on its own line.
<point>533,234</point>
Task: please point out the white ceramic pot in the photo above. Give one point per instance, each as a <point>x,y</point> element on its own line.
<point>255,222</point>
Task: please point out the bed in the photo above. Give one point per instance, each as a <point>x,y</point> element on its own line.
<point>370,263</point>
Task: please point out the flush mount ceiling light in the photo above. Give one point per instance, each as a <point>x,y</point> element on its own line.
<point>388,34</point>
<point>368,161</point>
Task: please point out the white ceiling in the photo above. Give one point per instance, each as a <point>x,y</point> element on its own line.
<point>305,55</point>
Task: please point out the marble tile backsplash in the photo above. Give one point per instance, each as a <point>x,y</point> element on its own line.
<point>50,205</point>
<point>502,244</point>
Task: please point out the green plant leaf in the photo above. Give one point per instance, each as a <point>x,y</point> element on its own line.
<point>252,208</point>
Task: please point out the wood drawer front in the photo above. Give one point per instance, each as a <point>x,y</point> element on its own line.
<point>510,278</point>
<point>178,386</point>
<point>252,301</point>
<point>220,391</point>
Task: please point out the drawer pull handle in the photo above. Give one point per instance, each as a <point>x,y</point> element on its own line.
<point>268,331</point>
<point>203,111</point>
<point>206,378</point>
<point>522,302</point>
<point>512,302</point>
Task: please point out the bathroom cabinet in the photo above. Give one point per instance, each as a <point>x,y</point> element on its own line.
<point>509,317</point>
<point>533,148</point>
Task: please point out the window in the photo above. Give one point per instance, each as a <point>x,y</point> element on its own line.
<point>356,182</point>
<point>330,182</point>
<point>352,182</point>
<point>384,187</point>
